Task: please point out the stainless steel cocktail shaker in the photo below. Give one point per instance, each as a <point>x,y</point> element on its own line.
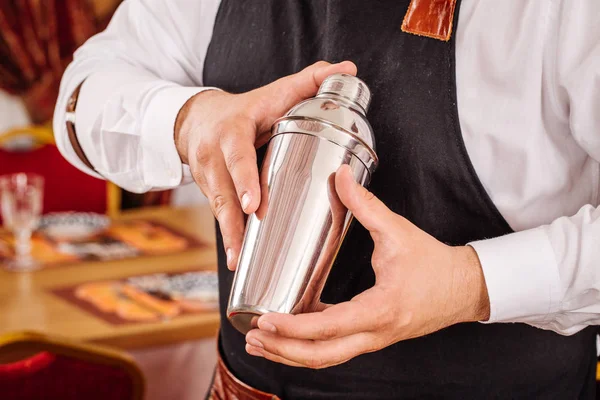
<point>292,240</point>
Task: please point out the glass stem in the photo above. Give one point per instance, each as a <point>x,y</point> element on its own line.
<point>23,246</point>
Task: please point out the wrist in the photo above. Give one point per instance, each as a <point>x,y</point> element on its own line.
<point>474,301</point>
<point>188,117</point>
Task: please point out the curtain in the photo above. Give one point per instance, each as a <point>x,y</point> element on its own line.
<point>37,41</point>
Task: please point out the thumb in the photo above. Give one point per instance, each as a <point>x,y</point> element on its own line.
<point>367,209</point>
<point>278,97</point>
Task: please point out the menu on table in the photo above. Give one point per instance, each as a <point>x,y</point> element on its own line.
<point>145,298</point>
<point>121,240</point>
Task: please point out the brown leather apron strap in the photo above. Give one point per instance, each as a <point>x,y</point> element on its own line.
<point>227,387</point>
<point>431,18</point>
<point>71,105</point>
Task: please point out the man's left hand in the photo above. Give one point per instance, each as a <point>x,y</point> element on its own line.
<point>422,286</point>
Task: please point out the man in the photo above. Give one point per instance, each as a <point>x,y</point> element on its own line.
<point>486,121</point>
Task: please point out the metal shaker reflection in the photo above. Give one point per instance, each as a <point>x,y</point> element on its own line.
<point>292,240</point>
<point>340,220</point>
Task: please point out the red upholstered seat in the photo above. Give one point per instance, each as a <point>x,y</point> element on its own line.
<point>64,369</point>
<point>50,376</point>
<point>66,188</point>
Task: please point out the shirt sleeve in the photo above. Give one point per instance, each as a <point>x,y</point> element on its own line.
<point>549,276</point>
<point>137,75</point>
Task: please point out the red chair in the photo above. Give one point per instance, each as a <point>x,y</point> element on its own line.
<point>66,188</point>
<point>65,370</point>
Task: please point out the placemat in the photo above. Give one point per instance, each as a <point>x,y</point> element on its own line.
<point>122,240</point>
<point>145,298</point>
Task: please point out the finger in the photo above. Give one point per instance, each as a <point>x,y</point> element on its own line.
<point>322,306</point>
<point>258,352</point>
<point>278,97</point>
<point>364,205</point>
<point>240,158</point>
<point>361,314</point>
<point>322,72</point>
<point>310,353</point>
<point>225,206</point>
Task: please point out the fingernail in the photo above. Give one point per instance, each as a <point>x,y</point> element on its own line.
<point>253,351</point>
<point>266,326</point>
<point>246,199</point>
<point>255,343</point>
<point>229,256</point>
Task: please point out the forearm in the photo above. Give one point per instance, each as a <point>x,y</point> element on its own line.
<point>548,277</point>
<point>136,78</point>
<point>124,121</point>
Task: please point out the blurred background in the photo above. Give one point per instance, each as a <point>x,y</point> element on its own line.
<point>37,42</point>
<point>104,294</point>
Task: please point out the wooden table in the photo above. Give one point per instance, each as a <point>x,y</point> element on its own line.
<point>27,304</point>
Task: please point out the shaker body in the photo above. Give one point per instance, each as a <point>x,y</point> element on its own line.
<point>291,241</point>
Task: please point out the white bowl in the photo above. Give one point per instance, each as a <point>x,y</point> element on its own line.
<point>66,226</point>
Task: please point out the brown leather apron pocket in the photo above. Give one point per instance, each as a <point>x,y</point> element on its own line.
<point>226,386</point>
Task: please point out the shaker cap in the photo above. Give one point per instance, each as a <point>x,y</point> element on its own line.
<point>336,114</point>
<point>349,87</point>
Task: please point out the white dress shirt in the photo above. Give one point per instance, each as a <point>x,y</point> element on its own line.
<point>528,78</point>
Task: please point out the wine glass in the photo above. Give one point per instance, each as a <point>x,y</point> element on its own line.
<point>21,206</point>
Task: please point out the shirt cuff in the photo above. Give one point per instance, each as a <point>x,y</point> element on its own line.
<point>521,275</point>
<point>61,136</point>
<point>160,161</point>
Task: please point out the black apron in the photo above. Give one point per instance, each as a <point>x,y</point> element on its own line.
<point>425,175</point>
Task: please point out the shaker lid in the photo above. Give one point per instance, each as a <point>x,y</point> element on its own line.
<point>349,87</point>
<point>336,114</point>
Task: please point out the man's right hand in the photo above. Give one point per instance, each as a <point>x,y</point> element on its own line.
<point>216,134</point>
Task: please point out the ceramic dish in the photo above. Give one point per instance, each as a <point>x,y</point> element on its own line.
<point>73,226</point>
